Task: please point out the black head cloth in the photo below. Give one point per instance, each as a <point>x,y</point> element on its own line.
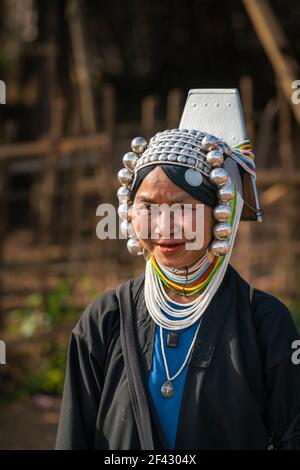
<point>205,192</point>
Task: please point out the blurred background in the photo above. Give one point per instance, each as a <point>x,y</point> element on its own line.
<point>82,79</point>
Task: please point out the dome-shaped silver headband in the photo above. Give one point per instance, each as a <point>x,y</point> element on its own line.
<point>201,154</point>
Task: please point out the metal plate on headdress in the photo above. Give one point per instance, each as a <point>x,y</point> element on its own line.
<point>216,111</point>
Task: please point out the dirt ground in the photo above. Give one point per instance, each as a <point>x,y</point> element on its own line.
<point>29,424</point>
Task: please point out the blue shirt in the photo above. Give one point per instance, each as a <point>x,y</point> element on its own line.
<point>168,409</point>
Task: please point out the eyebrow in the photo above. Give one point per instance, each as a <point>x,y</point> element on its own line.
<point>177,199</point>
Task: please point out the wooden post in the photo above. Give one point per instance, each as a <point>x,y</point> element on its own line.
<point>174,104</point>
<point>50,171</point>
<point>275,45</point>
<point>265,132</point>
<point>86,115</point>
<point>285,260</point>
<point>246,87</point>
<point>149,105</point>
<point>109,109</point>
<point>84,88</point>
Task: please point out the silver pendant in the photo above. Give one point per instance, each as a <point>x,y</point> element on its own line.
<point>167,389</point>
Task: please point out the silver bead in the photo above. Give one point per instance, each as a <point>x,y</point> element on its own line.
<point>220,247</point>
<point>222,212</point>
<point>222,231</point>
<point>215,158</point>
<point>123,194</point>
<point>124,211</point>
<point>127,229</point>
<point>130,160</point>
<point>226,192</point>
<point>209,142</point>
<point>134,246</point>
<point>218,176</point>
<point>191,161</point>
<point>139,144</point>
<point>181,159</point>
<point>125,176</point>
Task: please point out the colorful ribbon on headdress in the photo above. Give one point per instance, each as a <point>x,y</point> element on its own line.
<point>242,154</point>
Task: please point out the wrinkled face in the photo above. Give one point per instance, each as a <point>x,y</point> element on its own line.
<point>176,237</point>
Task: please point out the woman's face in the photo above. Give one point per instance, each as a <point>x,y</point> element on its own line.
<point>167,236</point>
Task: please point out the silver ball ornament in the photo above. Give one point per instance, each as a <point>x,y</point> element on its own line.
<point>222,231</point>
<point>218,176</point>
<point>124,194</point>
<point>222,212</point>
<point>209,142</point>
<point>139,145</point>
<point>127,229</point>
<point>220,247</point>
<point>124,211</point>
<point>125,176</point>
<point>130,160</point>
<point>134,246</point>
<point>215,158</point>
<point>226,192</point>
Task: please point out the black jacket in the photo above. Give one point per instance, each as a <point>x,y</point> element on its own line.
<point>241,386</point>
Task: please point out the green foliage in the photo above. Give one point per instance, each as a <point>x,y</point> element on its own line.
<point>49,377</point>
<point>42,329</point>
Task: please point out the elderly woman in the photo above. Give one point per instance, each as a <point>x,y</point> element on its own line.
<point>187,355</point>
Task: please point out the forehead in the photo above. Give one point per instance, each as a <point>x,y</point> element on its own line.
<point>157,186</point>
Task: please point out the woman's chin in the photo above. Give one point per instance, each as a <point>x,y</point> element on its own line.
<point>172,258</point>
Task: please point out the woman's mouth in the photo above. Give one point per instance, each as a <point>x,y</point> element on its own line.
<point>168,246</point>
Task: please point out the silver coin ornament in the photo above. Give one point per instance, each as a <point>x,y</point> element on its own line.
<point>193,177</point>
